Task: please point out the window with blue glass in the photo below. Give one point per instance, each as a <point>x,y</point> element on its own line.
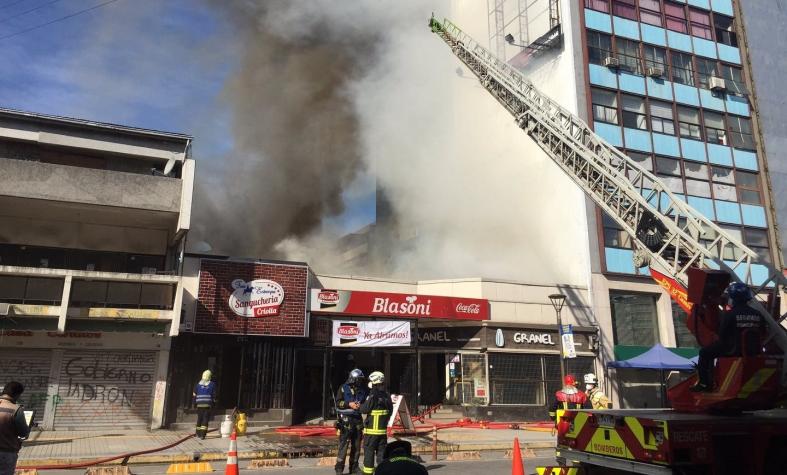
<point>614,235</point>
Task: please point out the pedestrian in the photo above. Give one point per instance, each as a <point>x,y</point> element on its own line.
<point>13,427</point>
<point>350,422</point>
<point>398,460</point>
<point>739,322</point>
<point>204,398</point>
<point>378,408</point>
<point>596,397</point>
<point>568,397</point>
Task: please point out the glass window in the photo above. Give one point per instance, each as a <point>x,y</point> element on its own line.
<point>742,133</point>
<point>757,240</point>
<point>661,117</point>
<point>643,159</point>
<point>628,55</point>
<point>667,166</point>
<point>724,192</point>
<point>614,235</point>
<point>599,47</point>
<point>706,68</point>
<point>698,188</point>
<point>715,129</point>
<point>730,253</point>
<point>723,175</point>
<point>700,24</point>
<point>634,319</point>
<point>625,9</point>
<point>516,379</point>
<point>683,336</point>
<point>650,12</point>
<point>600,5</point>
<point>689,121</point>
<point>673,183</point>
<point>605,106</point>
<point>676,17</point>
<point>655,57</point>
<point>696,170</point>
<point>682,68</point>
<point>725,30</point>
<point>733,76</point>
<point>748,187</point>
<point>634,112</point>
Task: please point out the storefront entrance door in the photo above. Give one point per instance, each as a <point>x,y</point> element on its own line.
<point>433,378</point>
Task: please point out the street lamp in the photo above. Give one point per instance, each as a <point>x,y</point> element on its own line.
<point>558,300</point>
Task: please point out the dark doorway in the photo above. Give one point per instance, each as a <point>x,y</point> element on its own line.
<point>433,385</point>
<point>402,376</point>
<point>310,365</point>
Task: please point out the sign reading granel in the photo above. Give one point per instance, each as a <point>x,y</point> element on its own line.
<point>354,302</point>
<point>251,298</point>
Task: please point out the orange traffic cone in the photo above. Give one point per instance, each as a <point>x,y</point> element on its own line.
<point>517,468</point>
<point>232,456</point>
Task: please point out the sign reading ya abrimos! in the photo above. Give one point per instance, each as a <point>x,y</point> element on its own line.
<point>354,302</point>
<point>251,298</point>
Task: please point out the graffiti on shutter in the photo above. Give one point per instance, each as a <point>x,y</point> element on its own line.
<point>31,368</point>
<point>105,389</point>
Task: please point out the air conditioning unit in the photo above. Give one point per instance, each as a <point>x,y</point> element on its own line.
<point>655,72</point>
<point>4,308</point>
<point>148,270</point>
<point>717,84</point>
<point>611,62</point>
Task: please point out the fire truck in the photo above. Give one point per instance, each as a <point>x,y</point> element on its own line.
<point>736,428</point>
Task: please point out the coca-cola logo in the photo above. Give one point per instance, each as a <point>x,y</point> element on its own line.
<point>350,331</point>
<point>328,296</point>
<point>473,308</point>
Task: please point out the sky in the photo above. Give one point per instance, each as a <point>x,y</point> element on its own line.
<point>155,64</point>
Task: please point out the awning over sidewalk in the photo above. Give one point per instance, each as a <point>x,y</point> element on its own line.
<point>657,357</point>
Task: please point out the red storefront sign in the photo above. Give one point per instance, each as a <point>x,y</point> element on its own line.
<point>359,303</point>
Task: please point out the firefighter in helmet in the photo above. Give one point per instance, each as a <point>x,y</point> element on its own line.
<point>596,397</point>
<point>378,408</point>
<point>349,421</point>
<point>568,397</point>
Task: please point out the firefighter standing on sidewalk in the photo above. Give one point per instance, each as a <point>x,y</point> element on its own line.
<point>378,408</point>
<point>204,397</point>
<point>596,397</point>
<point>350,422</point>
<point>569,397</point>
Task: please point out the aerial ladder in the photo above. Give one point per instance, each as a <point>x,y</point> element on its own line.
<point>690,256</point>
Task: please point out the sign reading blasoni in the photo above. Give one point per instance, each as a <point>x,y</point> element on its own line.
<point>424,307</point>
<point>363,333</point>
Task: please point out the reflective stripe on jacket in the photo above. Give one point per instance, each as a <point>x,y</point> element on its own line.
<point>204,394</point>
<point>378,406</point>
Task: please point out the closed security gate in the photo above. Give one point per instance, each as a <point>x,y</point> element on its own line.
<point>31,368</point>
<point>105,389</point>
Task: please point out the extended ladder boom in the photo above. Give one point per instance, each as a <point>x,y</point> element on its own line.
<point>670,235</point>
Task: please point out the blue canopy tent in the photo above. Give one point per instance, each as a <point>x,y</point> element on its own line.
<point>657,358</point>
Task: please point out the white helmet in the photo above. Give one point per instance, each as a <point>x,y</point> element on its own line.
<point>375,378</point>
<point>591,378</point>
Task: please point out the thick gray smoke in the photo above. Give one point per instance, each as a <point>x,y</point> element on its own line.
<point>295,132</point>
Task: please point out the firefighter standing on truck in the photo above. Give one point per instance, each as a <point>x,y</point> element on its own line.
<point>732,325</point>
<point>569,397</point>
<point>596,397</point>
<point>350,422</point>
<point>378,408</point>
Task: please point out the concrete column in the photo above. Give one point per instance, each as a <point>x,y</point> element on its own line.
<point>174,327</point>
<point>53,387</point>
<point>160,389</point>
<point>61,319</point>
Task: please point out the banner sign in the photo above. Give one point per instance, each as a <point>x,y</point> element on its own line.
<point>257,298</point>
<point>674,289</point>
<point>567,338</point>
<point>354,302</point>
<point>379,333</point>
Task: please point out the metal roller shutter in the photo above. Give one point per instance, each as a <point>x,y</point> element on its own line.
<point>105,389</point>
<point>31,368</point>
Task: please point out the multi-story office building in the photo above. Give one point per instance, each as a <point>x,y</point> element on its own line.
<point>672,84</point>
<point>94,218</point>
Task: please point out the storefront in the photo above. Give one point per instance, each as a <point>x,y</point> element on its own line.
<point>88,379</point>
<point>247,319</point>
<point>374,331</point>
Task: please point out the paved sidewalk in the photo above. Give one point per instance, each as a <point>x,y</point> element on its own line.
<point>56,447</point>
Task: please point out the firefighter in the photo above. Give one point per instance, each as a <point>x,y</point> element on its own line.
<point>350,422</point>
<point>569,397</point>
<point>398,460</point>
<point>596,397</point>
<point>204,396</point>
<point>733,323</point>
<point>378,408</point>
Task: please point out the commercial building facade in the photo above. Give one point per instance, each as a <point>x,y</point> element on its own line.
<point>94,221</point>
